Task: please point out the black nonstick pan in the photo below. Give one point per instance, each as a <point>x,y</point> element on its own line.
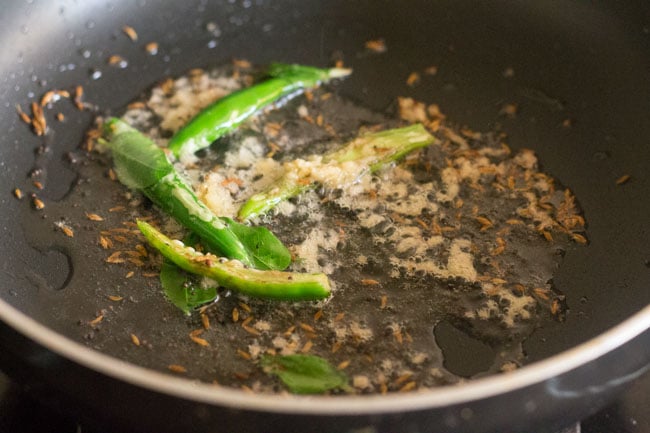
<point>578,72</point>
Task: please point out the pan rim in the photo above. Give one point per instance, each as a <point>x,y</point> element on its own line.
<point>216,395</point>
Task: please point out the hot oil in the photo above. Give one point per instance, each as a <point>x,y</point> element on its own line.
<point>441,265</point>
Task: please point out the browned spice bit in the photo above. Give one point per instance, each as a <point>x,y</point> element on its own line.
<point>23,116</point>
<point>431,70</point>
<point>336,346</point>
<point>567,123</point>
<point>369,282</point>
<point>129,274</point>
<point>547,235</point>
<point>289,331</point>
<point>272,129</point>
<point>167,86</point>
<point>397,333</point>
<point>403,378</point>
<point>176,368</point>
<point>94,217</point>
<point>343,365</point>
<point>623,179</point>
<point>78,94</point>
<point>318,315</point>
<point>307,347</point>
<point>245,307</point>
<point>205,321</point>
<point>138,105</point>
<point>307,327</point>
<point>384,302</point>
<point>410,386</point>
<point>339,317</point>
<point>194,336</point>
<point>376,46</point>
<point>412,111</point>
<point>413,79</point>
<point>579,238</point>
<point>244,354</point>
<point>114,59</point>
<point>235,315</point>
<point>139,263</point>
<point>520,288</point>
<point>309,95</point>
<point>485,223</point>
<point>38,119</point>
<point>142,250</point>
<point>151,48</point>
<point>114,298</point>
<point>150,274</point>
<point>47,97</point>
<point>133,254</point>
<point>115,258</point>
<point>541,292</point>
<point>555,307</point>
<point>96,320</point>
<point>37,203</point>
<point>18,193</point>
<point>514,222</point>
<point>130,32</point>
<point>195,72</point>
<point>240,375</point>
<point>105,242</point>
<point>509,110</point>
<point>241,63</point>
<point>120,239</point>
<point>65,229</point>
<point>250,329</point>
<point>117,209</point>
<point>60,117</point>
<point>135,340</point>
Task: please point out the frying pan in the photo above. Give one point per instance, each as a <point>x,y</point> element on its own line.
<point>586,62</point>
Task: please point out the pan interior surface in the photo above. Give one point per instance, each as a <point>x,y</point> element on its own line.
<point>562,66</point>
<point>345,405</point>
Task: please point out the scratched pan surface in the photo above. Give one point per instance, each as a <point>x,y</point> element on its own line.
<point>587,63</point>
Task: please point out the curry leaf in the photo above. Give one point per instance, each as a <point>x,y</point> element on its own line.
<point>139,163</point>
<point>182,290</point>
<point>267,251</point>
<point>305,374</point>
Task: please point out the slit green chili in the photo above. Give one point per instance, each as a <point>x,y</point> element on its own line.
<point>232,274</point>
<point>227,113</point>
<point>140,164</point>
<point>368,152</point>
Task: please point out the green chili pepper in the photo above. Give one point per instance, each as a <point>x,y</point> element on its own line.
<point>142,165</point>
<point>227,113</point>
<point>232,274</point>
<point>367,153</point>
